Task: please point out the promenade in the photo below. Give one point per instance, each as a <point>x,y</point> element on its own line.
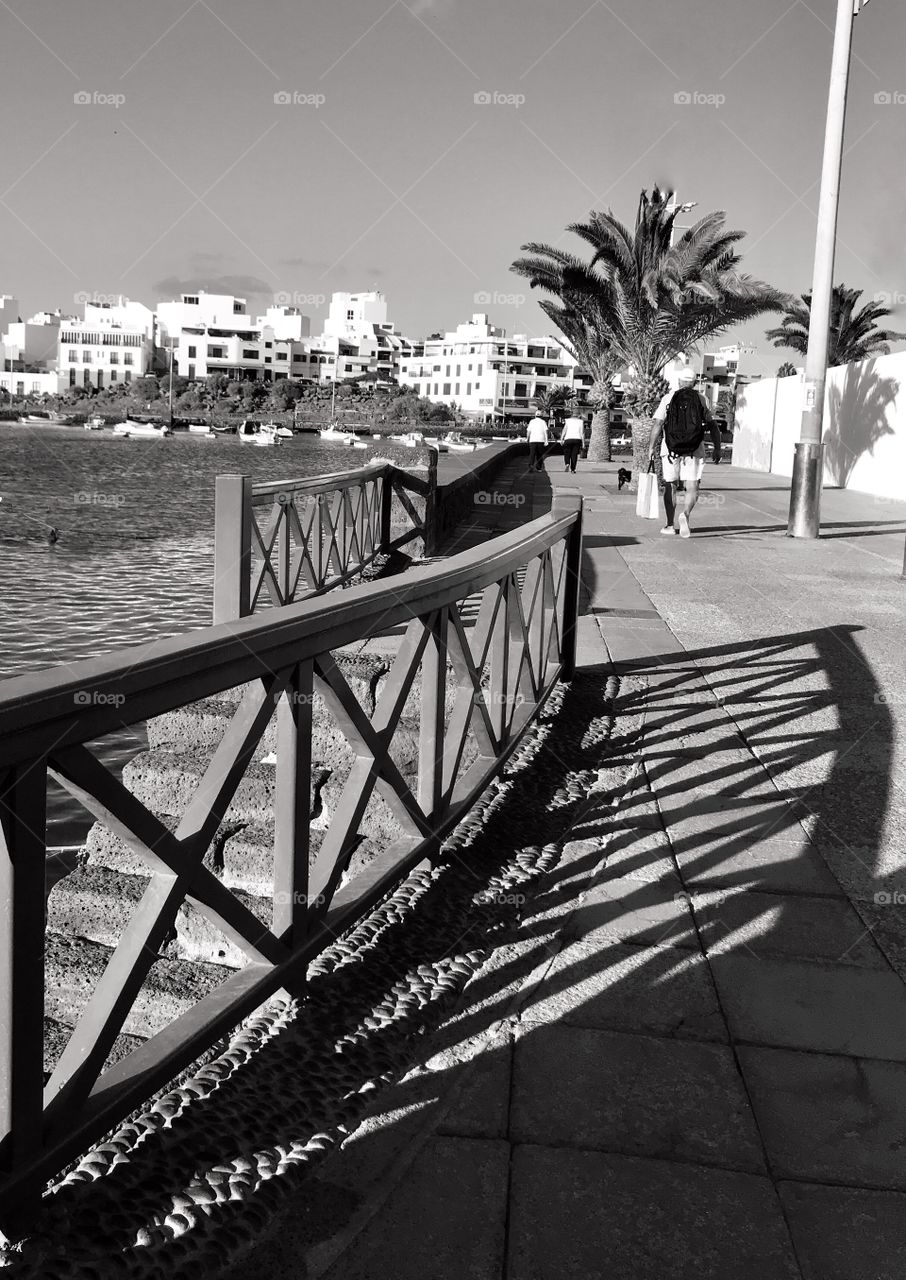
<point>686,1056</point>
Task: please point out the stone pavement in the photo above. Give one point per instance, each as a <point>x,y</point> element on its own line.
<point>690,1060</point>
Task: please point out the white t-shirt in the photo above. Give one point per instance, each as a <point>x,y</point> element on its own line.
<point>573,429</point>
<point>537,431</point>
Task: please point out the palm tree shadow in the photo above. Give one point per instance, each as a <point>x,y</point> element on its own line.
<point>859,417</point>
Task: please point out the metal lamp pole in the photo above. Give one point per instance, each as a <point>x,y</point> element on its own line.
<point>808,469</point>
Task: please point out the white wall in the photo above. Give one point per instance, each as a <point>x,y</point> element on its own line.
<point>864,426</point>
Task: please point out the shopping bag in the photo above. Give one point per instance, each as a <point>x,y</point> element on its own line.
<point>647,503</point>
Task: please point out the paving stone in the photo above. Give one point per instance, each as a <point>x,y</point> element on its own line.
<point>610,1217</point>
<point>446,1217</point>
<point>641,853</point>
<point>639,1095</point>
<point>627,910</point>
<point>828,1118</point>
<point>660,990</point>
<point>773,865</point>
<point>801,1004</point>
<point>765,924</point>
<point>846,1233</point>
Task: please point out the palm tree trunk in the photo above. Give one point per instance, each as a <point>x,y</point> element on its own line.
<point>599,443</point>
<point>641,437</point>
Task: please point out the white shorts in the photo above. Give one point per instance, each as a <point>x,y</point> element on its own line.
<point>689,470</point>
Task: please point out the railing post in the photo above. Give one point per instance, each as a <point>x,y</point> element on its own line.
<point>23,853</point>
<point>232,547</point>
<point>563,505</point>
<point>432,533</point>
<point>386,507</point>
<point>293,807</point>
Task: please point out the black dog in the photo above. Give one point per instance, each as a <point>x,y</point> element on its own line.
<point>624,476</point>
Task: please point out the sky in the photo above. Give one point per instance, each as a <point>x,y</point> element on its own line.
<point>151,149</point>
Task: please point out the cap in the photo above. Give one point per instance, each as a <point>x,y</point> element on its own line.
<point>687,375</point>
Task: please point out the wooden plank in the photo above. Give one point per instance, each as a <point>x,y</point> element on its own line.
<point>23,793</point>
<point>232,547</point>
<point>431,723</point>
<point>293,806</point>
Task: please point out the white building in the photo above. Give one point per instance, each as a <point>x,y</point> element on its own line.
<point>486,374</point>
<point>113,344</point>
<point>29,350</point>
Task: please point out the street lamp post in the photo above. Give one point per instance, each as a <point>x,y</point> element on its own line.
<point>808,468</point>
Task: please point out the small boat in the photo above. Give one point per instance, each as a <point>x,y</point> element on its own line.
<point>439,445</point>
<point>226,429</point>
<point>95,424</point>
<point>336,434</point>
<point>130,429</point>
<point>454,441</point>
<point>359,444</point>
<point>44,420</point>
<point>285,433</point>
<point>410,439</point>
<point>257,433</point>
<point>200,429</point>
<point>376,436</point>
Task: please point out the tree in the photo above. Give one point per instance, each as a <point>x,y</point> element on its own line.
<point>787,370</point>
<point>854,335</point>
<point>642,299</point>
<point>144,388</point>
<point>552,400</point>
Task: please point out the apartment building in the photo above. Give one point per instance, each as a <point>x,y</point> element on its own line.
<point>488,375</point>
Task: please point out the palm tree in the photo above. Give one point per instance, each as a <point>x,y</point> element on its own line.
<point>854,335</point>
<point>787,370</point>
<point>642,299</point>
<point>552,400</point>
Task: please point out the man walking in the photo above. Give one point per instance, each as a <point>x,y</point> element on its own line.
<point>537,441</point>
<point>679,434</point>
<point>571,438</point>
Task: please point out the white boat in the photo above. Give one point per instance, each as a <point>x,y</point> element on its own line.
<point>95,424</point>
<point>259,434</point>
<point>454,441</point>
<point>376,436</point>
<point>200,429</point>
<point>141,430</point>
<point>44,420</point>
<point>410,439</point>
<point>439,445</point>
<point>359,444</point>
<point>336,434</point>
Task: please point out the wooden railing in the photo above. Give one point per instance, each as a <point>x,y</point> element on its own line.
<point>484,638</point>
<point>281,542</point>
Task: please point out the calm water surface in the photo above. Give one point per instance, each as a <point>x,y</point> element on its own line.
<point>134,561</point>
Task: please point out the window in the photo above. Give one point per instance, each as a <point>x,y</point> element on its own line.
<point>86,377</point>
<point>468,388</point>
<point>237,308</point>
<point>446,388</point>
<point>436,369</point>
<point>281,355</point>
<point>435,388</point>
<point>113,375</point>
<point>191,374</point>
<point>191,300</point>
<point>350,315</point>
<point>73,357</point>
<point>249,354</point>
<point>127,359</point>
<point>86,357</point>
<point>478,370</point>
<point>448,371</point>
<point>456,390</point>
<point>215,353</point>
<point>72,377</point>
<point>193,352</point>
<point>458,370</point>
<point>128,375</point>
<point>268,345</point>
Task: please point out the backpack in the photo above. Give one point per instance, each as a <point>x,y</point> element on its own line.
<point>684,429</point>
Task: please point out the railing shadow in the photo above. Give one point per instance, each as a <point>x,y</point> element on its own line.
<point>804,702</point>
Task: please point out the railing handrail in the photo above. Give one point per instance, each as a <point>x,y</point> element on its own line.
<point>318,484</point>
<point>46,710</point>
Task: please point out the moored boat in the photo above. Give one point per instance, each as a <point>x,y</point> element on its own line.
<point>130,429</point>
<point>257,433</point>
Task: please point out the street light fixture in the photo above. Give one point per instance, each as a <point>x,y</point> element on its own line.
<point>808,467</point>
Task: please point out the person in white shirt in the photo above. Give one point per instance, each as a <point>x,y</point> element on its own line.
<point>685,467</point>
<point>571,438</point>
<point>537,441</point>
